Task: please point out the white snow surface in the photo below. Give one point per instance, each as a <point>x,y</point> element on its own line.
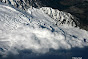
<point>36,32</point>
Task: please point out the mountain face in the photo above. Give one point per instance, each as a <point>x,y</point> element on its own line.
<point>35,31</point>
<point>78,8</point>
<point>60,16</point>
<point>22,4</point>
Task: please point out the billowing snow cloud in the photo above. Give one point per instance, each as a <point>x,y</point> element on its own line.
<point>35,32</point>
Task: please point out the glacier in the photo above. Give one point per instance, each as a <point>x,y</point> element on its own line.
<point>36,31</point>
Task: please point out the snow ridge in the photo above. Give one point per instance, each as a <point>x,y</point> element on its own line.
<point>61,18</point>
<point>22,4</point>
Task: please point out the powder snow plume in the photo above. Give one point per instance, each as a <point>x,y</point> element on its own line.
<point>35,31</point>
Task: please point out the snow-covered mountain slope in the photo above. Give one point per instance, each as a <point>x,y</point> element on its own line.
<point>78,8</point>
<point>61,18</point>
<point>36,32</point>
<point>22,4</point>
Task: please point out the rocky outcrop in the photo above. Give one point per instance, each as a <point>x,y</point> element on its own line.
<point>61,18</point>
<point>22,4</point>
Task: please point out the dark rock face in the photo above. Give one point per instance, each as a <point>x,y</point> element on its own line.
<point>78,8</point>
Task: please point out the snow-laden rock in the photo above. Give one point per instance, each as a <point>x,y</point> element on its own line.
<point>22,4</point>
<point>61,18</point>
<point>36,32</point>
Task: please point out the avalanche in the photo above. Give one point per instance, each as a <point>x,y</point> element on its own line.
<point>35,31</point>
